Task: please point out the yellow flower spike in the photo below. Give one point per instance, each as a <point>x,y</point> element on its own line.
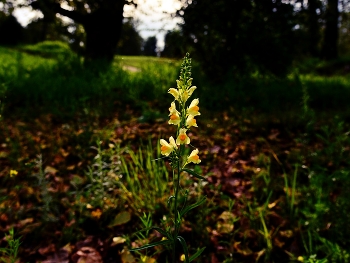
<point>174,92</point>
<point>180,84</point>
<point>191,121</point>
<point>167,148</point>
<point>193,158</point>
<point>182,138</point>
<point>193,109</point>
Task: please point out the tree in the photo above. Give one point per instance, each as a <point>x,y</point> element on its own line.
<point>174,45</point>
<point>331,31</point>
<point>150,46</point>
<point>130,43</point>
<point>239,35</point>
<point>102,21</point>
<point>11,32</point>
<point>313,32</point>
<point>309,19</point>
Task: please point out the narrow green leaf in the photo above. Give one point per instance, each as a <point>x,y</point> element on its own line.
<point>184,246</point>
<point>162,242</point>
<point>188,208</point>
<point>197,254</point>
<point>193,173</point>
<point>169,199</point>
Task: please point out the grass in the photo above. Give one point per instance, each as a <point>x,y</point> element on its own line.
<point>275,152</point>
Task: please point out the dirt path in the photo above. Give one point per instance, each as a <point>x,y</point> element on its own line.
<point>131,68</point>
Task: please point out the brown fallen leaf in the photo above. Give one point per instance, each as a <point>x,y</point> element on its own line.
<point>88,255</point>
<point>50,170</point>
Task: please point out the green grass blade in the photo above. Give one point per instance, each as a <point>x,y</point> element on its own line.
<point>197,254</point>
<point>193,173</point>
<point>188,208</point>
<point>162,242</point>
<point>184,246</point>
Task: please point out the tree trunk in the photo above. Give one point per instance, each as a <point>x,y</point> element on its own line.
<point>331,34</point>
<point>103,30</point>
<point>102,27</point>
<point>313,27</point>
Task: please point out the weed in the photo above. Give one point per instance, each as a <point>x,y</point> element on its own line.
<point>175,150</point>
<point>9,254</point>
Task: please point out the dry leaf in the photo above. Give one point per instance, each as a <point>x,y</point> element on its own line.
<point>225,224</point>
<point>50,170</point>
<point>127,257</point>
<point>89,255</point>
<point>118,240</point>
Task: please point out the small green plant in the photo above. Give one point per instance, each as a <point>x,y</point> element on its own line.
<point>103,176</point>
<point>9,253</point>
<point>176,151</point>
<point>48,207</point>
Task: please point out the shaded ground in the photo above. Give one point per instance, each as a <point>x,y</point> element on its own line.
<point>243,157</point>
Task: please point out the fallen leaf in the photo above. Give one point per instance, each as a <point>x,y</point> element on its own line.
<point>89,255</point>
<point>127,257</point>
<point>120,219</point>
<point>50,170</point>
<point>118,240</point>
<point>225,223</point>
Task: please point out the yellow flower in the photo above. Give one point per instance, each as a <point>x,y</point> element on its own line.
<point>183,96</point>
<point>173,109</point>
<point>13,173</point>
<point>190,90</point>
<point>96,213</point>
<point>182,258</point>
<point>174,115</point>
<point>174,92</point>
<point>167,148</point>
<point>193,158</point>
<point>182,138</point>
<point>189,82</point>
<point>191,121</point>
<point>193,109</point>
<point>174,119</point>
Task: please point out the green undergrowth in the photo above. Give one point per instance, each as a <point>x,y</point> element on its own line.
<point>61,84</point>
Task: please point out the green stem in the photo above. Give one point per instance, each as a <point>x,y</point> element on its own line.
<point>176,229</point>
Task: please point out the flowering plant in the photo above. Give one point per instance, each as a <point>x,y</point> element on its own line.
<point>184,119</point>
